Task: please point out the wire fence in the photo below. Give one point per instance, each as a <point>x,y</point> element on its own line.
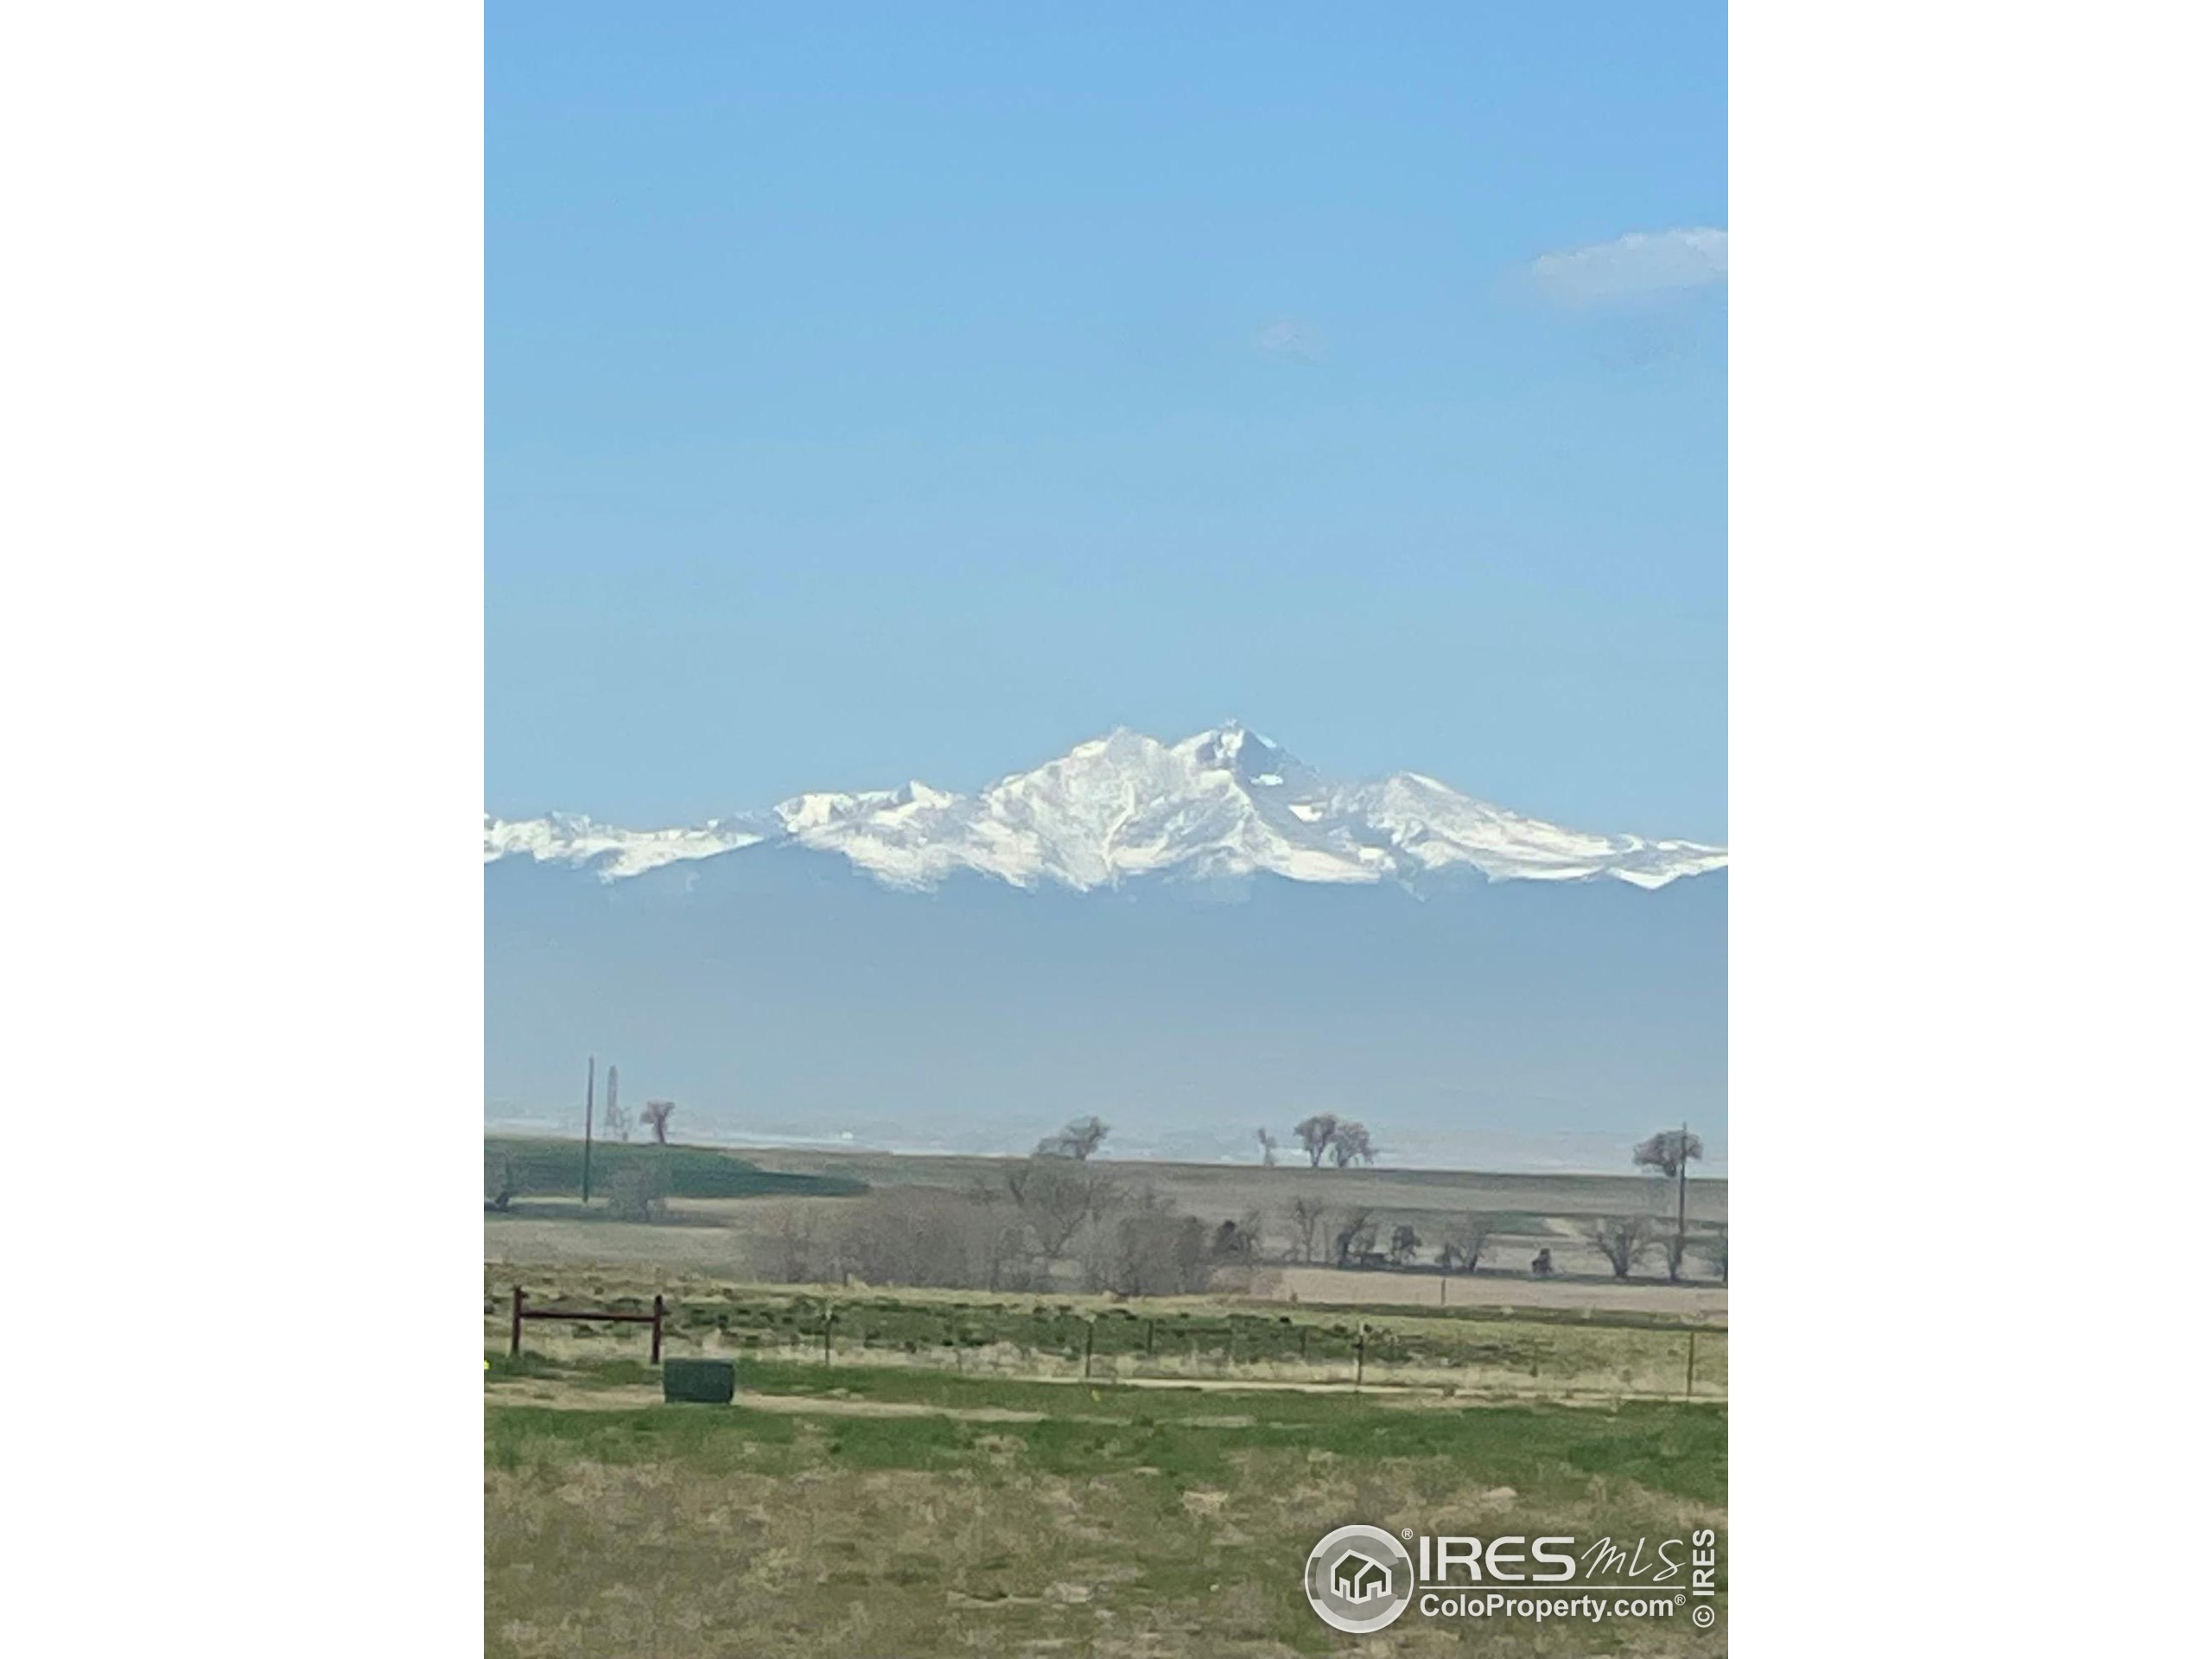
<point>1493,1353</point>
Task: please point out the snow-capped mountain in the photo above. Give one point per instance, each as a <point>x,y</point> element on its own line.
<point>1226,803</point>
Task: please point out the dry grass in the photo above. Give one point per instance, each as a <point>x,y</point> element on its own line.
<point>1703,1303</point>
<point>664,1533</point>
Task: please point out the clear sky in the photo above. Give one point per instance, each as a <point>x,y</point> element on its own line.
<point>878,393</point>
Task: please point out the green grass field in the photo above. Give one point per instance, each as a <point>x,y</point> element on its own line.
<point>994,1517</point>
<point>547,1166</point>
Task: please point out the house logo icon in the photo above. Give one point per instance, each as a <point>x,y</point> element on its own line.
<point>1359,1578</point>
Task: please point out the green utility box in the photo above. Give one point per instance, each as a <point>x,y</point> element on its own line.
<point>711,1382</point>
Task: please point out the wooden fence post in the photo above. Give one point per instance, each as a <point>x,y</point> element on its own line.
<point>1090,1331</point>
<point>1359,1369</point>
<point>514,1335</point>
<point>828,1317</point>
<point>1689,1370</point>
<point>660,1312</point>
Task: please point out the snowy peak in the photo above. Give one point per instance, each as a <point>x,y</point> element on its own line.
<point>1225,803</point>
<point>1231,748</point>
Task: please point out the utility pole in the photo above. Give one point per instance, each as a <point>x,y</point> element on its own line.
<point>591,1088</point>
<point>1682,1189</point>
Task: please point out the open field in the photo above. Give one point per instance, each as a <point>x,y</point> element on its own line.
<point>916,1470</point>
<point>537,1165</point>
<point>882,1513</point>
<point>1226,1189</point>
<point>725,1226</point>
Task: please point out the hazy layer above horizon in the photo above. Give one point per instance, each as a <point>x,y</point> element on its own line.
<point>783,997</point>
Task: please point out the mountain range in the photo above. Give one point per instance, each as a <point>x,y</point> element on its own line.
<point>1192,940</point>
<point>1224,803</point>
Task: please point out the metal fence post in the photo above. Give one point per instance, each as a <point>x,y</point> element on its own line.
<point>660,1311</point>
<point>514,1335</point>
<point>1089,1333</point>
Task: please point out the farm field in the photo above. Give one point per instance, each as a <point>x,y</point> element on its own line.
<point>911,1470</point>
<point>880,1513</point>
<point>726,1226</point>
<point>1230,1188</point>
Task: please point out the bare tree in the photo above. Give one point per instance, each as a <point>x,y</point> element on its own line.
<point>657,1114</point>
<point>1305,1216</point>
<point>1355,1237</point>
<point>1315,1133</point>
<point>1668,1153</point>
<point>796,1258</point>
<point>1351,1145</point>
<point>1077,1139</point>
<point>1404,1241</point>
<point>1231,1244</point>
<point>1624,1241</point>
<point>1056,1196</point>
<point>1151,1251</point>
<point>1463,1241</point>
<point>1267,1147</point>
<point>941,1240</point>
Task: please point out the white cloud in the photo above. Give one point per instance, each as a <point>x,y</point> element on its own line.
<point>1641,263</point>
<point>1290,337</point>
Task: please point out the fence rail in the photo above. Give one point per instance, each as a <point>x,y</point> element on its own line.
<point>520,1311</point>
<point>1541,1357</point>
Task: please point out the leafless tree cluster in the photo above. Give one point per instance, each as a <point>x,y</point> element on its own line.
<point>1307,1219</point>
<point>1147,1249</point>
<point>1238,1241</point>
<point>1055,1197</point>
<point>1052,1218</point>
<point>933,1240</point>
<point>1353,1242</point>
<point>1341,1139</point>
<point>1077,1139</point>
<point>1624,1241</point>
<point>1463,1242</point>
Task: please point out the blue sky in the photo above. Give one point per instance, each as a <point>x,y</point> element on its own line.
<point>881,393</point>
